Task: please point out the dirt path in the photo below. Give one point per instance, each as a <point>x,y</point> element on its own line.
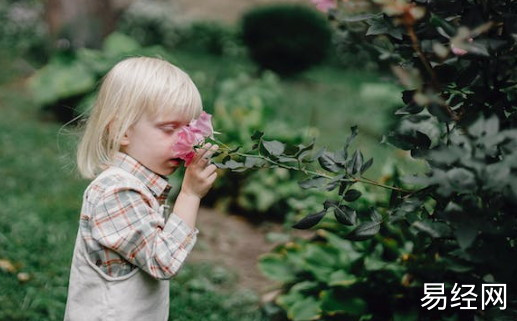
<point>235,243</point>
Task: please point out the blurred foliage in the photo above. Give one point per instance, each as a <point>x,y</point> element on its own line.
<point>286,38</point>
<point>66,85</point>
<point>23,32</point>
<point>151,23</point>
<point>211,37</point>
<point>160,23</point>
<point>243,106</point>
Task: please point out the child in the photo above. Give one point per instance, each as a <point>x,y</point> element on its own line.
<point>127,246</point>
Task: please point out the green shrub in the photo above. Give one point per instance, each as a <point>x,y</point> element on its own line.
<point>285,38</point>
<point>210,37</point>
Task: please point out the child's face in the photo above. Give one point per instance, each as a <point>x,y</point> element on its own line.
<point>150,141</point>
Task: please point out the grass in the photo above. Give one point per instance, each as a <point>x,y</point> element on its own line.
<point>41,199</point>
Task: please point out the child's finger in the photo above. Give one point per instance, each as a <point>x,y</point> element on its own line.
<point>211,178</point>
<point>208,154</point>
<point>201,152</point>
<point>209,170</point>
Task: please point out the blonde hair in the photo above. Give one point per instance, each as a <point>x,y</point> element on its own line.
<point>133,86</point>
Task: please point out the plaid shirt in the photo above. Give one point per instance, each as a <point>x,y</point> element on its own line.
<point>124,222</point>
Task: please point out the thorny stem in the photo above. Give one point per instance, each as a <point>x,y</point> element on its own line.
<point>310,172</point>
<point>434,81</point>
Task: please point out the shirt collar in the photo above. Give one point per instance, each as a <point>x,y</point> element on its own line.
<point>158,184</point>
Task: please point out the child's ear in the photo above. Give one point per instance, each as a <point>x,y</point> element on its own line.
<point>124,141</point>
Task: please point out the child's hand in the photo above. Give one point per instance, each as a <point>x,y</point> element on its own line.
<point>200,175</point>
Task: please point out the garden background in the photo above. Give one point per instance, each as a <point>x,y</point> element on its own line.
<point>295,72</point>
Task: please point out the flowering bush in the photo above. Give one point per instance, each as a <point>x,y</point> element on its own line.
<point>453,225</point>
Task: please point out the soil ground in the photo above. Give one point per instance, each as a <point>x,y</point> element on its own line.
<point>235,243</point>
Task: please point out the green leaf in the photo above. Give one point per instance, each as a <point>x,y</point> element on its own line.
<point>314,182</point>
<point>461,179</point>
<point>274,147</point>
<point>351,195</point>
<point>231,164</point>
<point>366,165</point>
<point>356,162</point>
<point>250,161</point>
<point>332,303</point>
<point>257,135</point>
<point>118,44</point>
<point>381,26</point>
<point>327,162</point>
<point>365,231</point>
<point>60,79</point>
<point>437,21</point>
<point>349,139</point>
<point>466,235</point>
<point>276,267</point>
<point>375,216</point>
<point>303,150</point>
<point>310,220</point>
<point>345,215</point>
<point>342,278</point>
<point>434,229</point>
<point>307,309</point>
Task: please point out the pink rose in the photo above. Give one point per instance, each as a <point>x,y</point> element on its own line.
<point>203,125</point>
<point>324,5</point>
<point>191,135</point>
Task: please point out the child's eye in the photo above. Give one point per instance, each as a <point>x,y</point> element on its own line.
<point>168,129</point>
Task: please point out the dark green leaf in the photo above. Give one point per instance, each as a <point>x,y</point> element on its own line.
<point>302,149</point>
<point>345,215</point>
<point>234,150</point>
<point>437,21</point>
<point>257,135</point>
<point>250,161</point>
<point>327,162</point>
<point>314,182</point>
<point>365,231</point>
<point>366,165</point>
<point>411,108</point>
<point>439,111</point>
<point>461,179</point>
<point>434,229</point>
<point>351,195</point>
<point>466,235</point>
<point>381,26</point>
<point>356,162</point>
<point>310,220</point>
<point>329,203</point>
<point>349,139</point>
<point>274,147</point>
<point>231,164</point>
<point>375,216</point>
